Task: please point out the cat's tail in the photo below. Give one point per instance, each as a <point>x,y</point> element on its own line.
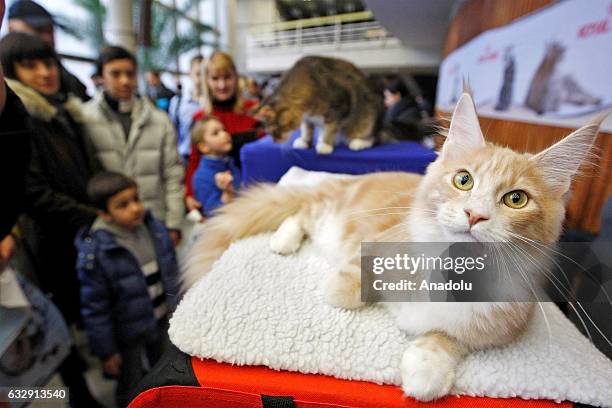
<point>257,210</point>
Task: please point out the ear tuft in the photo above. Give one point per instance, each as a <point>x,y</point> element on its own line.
<point>464,134</point>
<point>466,86</point>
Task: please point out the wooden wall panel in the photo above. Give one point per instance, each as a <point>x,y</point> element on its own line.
<point>594,186</point>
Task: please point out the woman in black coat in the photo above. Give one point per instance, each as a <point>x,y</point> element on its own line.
<point>404,116</point>
<point>60,166</point>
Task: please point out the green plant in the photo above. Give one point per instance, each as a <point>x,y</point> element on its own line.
<point>89,29</point>
<point>166,45</point>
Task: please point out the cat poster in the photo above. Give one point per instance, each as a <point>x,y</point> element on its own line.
<point>551,67</point>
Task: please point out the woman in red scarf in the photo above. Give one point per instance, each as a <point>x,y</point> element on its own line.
<point>223,99</point>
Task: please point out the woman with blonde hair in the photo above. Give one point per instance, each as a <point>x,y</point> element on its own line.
<point>222,98</point>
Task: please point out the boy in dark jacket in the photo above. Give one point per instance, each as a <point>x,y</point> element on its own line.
<point>128,273</point>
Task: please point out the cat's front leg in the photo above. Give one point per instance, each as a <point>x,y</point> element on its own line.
<point>306,135</point>
<point>325,144</point>
<point>288,237</point>
<point>429,365</point>
<point>342,288</point>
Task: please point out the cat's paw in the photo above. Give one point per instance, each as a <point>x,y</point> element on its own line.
<point>288,237</point>
<point>343,289</point>
<point>300,143</point>
<point>360,144</point>
<point>427,374</point>
<point>324,148</point>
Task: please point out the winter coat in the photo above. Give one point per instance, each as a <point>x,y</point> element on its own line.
<point>205,189</point>
<point>70,84</point>
<point>148,155</point>
<point>115,302</point>
<point>405,119</point>
<point>61,164</point>
<point>14,158</point>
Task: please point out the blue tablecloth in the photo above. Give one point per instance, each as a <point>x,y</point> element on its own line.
<point>265,160</point>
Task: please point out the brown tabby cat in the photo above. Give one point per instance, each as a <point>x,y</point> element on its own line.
<point>328,91</point>
<point>474,191</point>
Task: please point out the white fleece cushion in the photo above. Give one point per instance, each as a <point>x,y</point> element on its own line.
<point>259,308</point>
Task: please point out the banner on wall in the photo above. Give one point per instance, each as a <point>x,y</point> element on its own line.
<point>552,67</point>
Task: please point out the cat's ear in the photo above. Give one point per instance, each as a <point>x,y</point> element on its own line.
<point>560,162</point>
<point>464,134</point>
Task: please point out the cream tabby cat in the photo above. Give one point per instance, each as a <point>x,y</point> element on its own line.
<point>474,191</point>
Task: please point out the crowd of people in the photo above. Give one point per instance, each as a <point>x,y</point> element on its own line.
<point>100,185</point>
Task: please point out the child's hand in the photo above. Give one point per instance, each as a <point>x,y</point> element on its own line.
<point>224,180</point>
<point>219,180</point>
<point>175,237</point>
<point>192,204</point>
<point>112,365</point>
<point>7,250</point>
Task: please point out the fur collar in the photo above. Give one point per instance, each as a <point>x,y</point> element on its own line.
<point>39,107</point>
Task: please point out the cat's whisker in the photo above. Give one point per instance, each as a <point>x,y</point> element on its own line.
<point>538,301</point>
<point>497,260</point>
<point>359,217</point>
<point>544,271</point>
<point>570,302</point>
<point>395,192</point>
<point>500,257</point>
<point>586,329</point>
<point>533,242</point>
<point>519,269</point>
<point>577,302</point>
<point>597,328</point>
<point>402,228</point>
<point>388,208</point>
<point>536,265</point>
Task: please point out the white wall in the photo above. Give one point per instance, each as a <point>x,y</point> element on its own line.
<point>249,13</point>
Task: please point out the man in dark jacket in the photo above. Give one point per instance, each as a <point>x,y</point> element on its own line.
<point>27,16</point>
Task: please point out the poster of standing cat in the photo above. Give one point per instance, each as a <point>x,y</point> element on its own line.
<point>325,91</point>
<point>505,93</point>
<point>473,192</point>
<point>550,88</point>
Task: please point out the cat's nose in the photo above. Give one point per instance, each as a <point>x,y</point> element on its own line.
<point>474,217</point>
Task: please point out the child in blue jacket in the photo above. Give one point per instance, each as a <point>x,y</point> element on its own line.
<point>128,275</point>
<point>217,177</point>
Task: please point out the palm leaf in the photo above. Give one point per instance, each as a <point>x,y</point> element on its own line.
<point>88,29</point>
<point>166,44</point>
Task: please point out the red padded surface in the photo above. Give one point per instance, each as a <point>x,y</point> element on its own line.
<point>247,383</point>
<point>180,396</point>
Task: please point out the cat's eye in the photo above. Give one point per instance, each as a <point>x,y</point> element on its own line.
<point>516,199</point>
<point>463,180</point>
